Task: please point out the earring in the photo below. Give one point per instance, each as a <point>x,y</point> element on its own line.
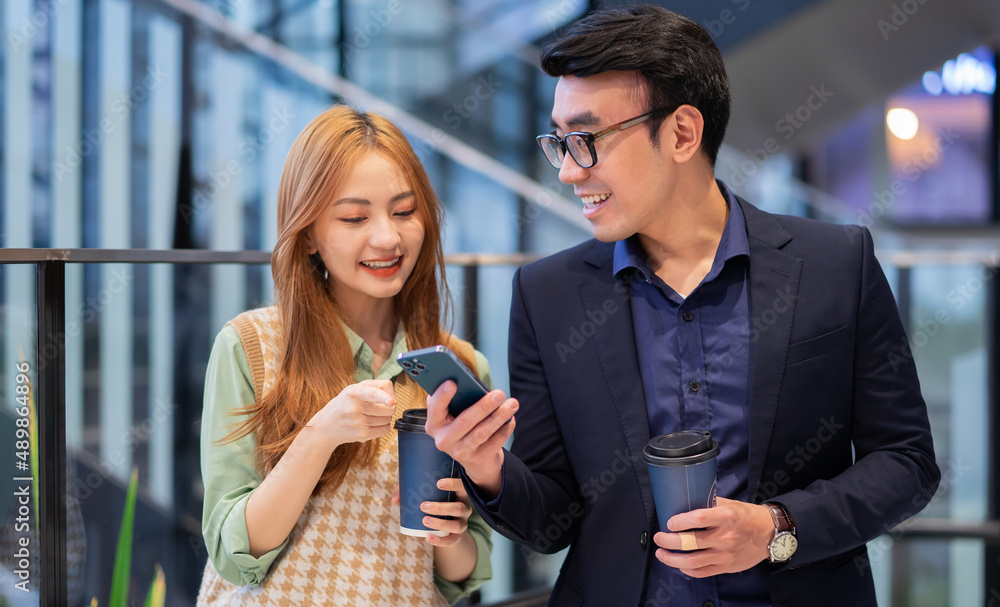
<point>319,266</point>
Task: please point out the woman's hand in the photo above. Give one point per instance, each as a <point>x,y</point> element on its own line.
<point>454,554</point>
<point>460,509</point>
<point>360,412</point>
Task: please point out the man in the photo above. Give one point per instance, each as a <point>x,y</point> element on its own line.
<point>691,309</point>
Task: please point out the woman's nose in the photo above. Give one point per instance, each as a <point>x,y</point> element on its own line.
<point>385,235</point>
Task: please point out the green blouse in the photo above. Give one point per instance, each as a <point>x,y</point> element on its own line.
<point>230,475</point>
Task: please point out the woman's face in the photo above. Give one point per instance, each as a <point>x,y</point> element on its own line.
<point>369,234</point>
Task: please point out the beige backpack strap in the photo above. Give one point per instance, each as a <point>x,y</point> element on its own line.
<point>251,346</point>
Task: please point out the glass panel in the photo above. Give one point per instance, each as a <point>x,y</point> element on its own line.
<point>136,354</point>
<point>928,572</point>
<point>947,332</point>
<point>947,338</point>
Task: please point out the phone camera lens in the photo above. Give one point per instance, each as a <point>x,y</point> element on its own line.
<point>406,364</point>
<point>421,366</point>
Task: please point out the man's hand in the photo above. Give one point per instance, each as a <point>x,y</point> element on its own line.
<point>731,537</point>
<point>476,437</point>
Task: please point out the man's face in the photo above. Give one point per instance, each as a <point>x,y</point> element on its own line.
<point>627,191</point>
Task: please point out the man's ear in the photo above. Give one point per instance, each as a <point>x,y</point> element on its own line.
<point>687,125</point>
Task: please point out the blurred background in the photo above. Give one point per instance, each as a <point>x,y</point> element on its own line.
<point>134,125</point>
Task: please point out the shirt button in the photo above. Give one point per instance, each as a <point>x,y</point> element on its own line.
<point>708,604</point>
<point>695,386</point>
<point>643,539</point>
<point>688,316</point>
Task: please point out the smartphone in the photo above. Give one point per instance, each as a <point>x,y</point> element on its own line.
<point>431,367</point>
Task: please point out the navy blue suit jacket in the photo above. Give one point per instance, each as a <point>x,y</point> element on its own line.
<point>830,368</point>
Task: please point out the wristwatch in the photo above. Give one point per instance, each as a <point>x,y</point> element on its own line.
<point>784,543</point>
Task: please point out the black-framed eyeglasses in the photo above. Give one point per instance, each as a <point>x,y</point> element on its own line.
<point>580,144</point>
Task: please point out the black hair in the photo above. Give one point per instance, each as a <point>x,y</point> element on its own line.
<point>674,56</point>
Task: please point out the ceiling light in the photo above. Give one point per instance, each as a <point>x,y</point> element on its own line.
<point>902,122</point>
<point>932,83</point>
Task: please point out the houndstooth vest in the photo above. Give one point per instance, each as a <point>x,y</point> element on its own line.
<point>346,548</point>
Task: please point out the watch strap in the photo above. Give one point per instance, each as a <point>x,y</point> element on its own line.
<point>782,520</point>
<point>783,527</point>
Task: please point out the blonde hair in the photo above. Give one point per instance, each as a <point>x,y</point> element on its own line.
<point>316,362</point>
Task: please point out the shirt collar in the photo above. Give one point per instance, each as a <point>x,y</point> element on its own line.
<point>629,253</point>
<point>364,355</point>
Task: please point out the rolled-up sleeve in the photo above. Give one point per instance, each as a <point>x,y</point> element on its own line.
<point>482,573</point>
<point>478,529</point>
<point>228,467</point>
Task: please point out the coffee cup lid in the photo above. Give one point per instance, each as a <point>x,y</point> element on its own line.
<point>681,448</point>
<point>412,420</point>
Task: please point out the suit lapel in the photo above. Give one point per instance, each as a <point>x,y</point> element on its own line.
<point>774,287</point>
<point>774,284</point>
<point>616,351</point>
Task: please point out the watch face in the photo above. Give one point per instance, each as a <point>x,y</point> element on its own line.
<point>784,546</point>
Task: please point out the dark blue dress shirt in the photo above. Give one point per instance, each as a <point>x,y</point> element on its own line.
<point>694,359</point>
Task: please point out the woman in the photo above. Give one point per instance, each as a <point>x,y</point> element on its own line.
<point>298,460</point>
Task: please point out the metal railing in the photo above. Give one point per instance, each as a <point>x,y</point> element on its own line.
<point>50,384</point>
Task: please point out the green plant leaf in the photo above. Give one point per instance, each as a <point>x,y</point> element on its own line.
<point>157,590</point>
<point>123,555</point>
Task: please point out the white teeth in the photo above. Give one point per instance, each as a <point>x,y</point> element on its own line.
<point>592,200</point>
<point>380,265</point>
